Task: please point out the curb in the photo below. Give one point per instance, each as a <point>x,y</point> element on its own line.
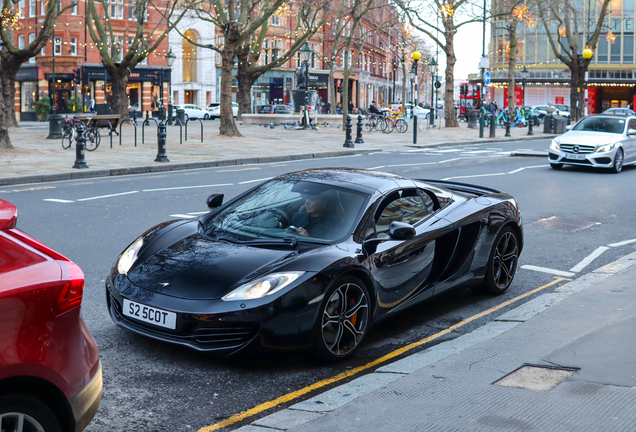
<point>339,396</point>
<point>484,140</point>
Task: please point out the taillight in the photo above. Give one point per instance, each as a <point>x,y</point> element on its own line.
<point>71,290</point>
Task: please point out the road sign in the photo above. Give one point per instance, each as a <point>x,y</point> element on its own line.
<point>486,78</point>
<point>484,63</point>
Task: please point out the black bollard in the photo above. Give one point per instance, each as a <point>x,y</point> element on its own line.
<point>507,128</point>
<point>359,139</point>
<point>531,120</point>
<point>414,129</point>
<point>80,148</point>
<point>348,141</point>
<point>161,143</point>
<point>493,125</point>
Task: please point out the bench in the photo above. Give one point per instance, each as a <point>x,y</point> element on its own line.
<point>108,121</point>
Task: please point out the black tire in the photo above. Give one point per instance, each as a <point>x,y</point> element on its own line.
<point>342,325</point>
<point>93,138</point>
<point>556,166</point>
<point>37,415</point>
<point>401,125</point>
<point>206,117</point>
<point>389,126</point>
<point>617,166</point>
<point>368,125</point>
<point>67,140</point>
<point>502,264</point>
<point>381,124</point>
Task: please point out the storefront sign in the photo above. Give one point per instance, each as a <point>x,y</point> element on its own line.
<point>318,80</point>
<point>592,98</point>
<point>518,97</point>
<point>559,100</point>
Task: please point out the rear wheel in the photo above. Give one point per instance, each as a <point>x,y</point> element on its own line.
<point>401,125</point>
<point>93,138</point>
<point>502,265</point>
<point>389,126</point>
<point>381,124</point>
<point>343,319</point>
<point>368,125</point>
<point>26,414</point>
<point>206,117</point>
<point>618,161</point>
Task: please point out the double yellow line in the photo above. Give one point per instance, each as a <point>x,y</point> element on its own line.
<point>291,396</point>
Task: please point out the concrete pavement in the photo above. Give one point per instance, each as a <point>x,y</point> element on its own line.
<point>564,361</point>
<point>37,159</point>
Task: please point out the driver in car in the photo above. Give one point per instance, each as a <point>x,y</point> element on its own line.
<point>315,221</point>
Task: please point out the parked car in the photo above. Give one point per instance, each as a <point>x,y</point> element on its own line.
<point>275,109</point>
<point>192,111</point>
<point>50,373</point>
<point>620,111</point>
<point>215,111</point>
<point>599,141</point>
<point>260,272</point>
<point>542,111</point>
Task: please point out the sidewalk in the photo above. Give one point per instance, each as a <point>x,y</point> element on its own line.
<point>548,365</point>
<point>37,159</point>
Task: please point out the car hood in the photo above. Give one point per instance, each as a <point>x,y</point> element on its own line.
<point>588,138</point>
<point>198,267</point>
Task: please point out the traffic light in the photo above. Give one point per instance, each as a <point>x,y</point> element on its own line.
<point>156,79</point>
<point>463,89</point>
<point>339,88</point>
<point>76,75</point>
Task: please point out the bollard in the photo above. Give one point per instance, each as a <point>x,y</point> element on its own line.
<point>414,129</point>
<point>134,117</point>
<point>359,139</point>
<point>493,125</point>
<point>507,128</point>
<point>80,148</point>
<point>161,143</point>
<point>348,142</point>
<point>530,132</point>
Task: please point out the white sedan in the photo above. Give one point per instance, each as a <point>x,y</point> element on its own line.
<point>192,111</point>
<point>215,112</point>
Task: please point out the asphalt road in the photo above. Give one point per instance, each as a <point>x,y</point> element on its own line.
<point>574,221</point>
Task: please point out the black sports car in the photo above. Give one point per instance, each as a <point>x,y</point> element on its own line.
<point>313,259</point>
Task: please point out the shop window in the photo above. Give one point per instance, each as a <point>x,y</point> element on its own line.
<point>28,95</point>
<point>31,39</point>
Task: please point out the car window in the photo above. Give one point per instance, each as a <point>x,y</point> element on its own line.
<point>601,124</point>
<point>408,206</point>
<point>632,124</point>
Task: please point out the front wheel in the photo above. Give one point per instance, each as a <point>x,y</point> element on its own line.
<point>502,265</point>
<point>401,125</point>
<point>25,414</point>
<point>556,166</point>
<point>389,126</point>
<point>93,138</point>
<point>206,117</point>
<point>618,161</point>
<point>368,125</point>
<point>343,319</point>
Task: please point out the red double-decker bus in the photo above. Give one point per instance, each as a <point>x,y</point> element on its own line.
<point>468,97</point>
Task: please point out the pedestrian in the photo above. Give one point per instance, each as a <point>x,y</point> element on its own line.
<point>92,106</point>
<point>350,108</point>
<point>328,108</point>
<point>374,109</point>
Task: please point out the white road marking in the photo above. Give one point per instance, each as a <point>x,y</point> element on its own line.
<point>57,200</point>
<point>198,213</point>
<point>413,164</point>
<point>107,196</point>
<point>450,160</point>
<point>378,167</point>
<point>478,151</point>
<point>183,216</point>
<point>528,167</point>
<point>254,181</point>
<point>478,175</point>
<point>547,270</point>
<point>447,150</point>
<point>623,243</point>
<point>587,260</point>
<point>188,187</point>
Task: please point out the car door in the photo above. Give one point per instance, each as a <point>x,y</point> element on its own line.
<point>401,268</point>
<point>629,144</point>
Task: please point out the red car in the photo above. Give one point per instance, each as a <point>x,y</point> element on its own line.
<point>50,373</point>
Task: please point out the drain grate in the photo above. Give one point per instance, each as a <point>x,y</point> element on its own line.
<point>565,224</point>
<point>539,378</point>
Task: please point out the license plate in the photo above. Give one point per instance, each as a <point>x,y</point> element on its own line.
<point>150,315</point>
<point>574,156</point>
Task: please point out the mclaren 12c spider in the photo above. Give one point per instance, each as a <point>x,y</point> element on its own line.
<point>312,259</point>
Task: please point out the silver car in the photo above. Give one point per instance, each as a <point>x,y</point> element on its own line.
<point>599,141</point>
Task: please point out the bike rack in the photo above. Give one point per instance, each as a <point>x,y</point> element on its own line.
<point>132,122</point>
<point>110,128</point>
<point>143,126</point>
<point>176,119</point>
<point>186,128</point>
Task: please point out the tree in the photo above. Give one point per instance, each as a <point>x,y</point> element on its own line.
<point>123,44</point>
<point>564,24</point>
<point>5,140</point>
<point>12,57</point>
<point>423,15</point>
<point>309,18</point>
<point>239,20</point>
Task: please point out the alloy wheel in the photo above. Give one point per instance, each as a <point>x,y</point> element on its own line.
<point>618,161</point>
<point>344,319</point>
<point>19,422</point>
<point>504,263</point>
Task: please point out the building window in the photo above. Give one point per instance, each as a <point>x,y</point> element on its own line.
<point>31,39</point>
<point>21,9</point>
<point>274,55</point>
<point>42,7</point>
<point>32,8</point>
<point>21,41</point>
<point>74,9</point>
<point>275,20</point>
<point>189,59</point>
<point>57,45</point>
<point>73,50</point>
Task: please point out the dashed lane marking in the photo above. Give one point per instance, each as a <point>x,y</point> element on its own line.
<point>188,187</point>
<point>107,196</point>
<point>254,181</point>
<point>320,384</point>
<point>58,200</point>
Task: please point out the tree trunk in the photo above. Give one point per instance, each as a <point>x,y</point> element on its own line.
<point>245,82</point>
<point>120,97</point>
<point>345,96</point>
<point>9,71</point>
<point>577,91</point>
<point>332,90</point>
<point>512,62</point>
<point>450,117</point>
<point>5,141</point>
<point>227,125</point>
<point>403,87</point>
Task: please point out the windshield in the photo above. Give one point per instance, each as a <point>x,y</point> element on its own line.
<point>281,209</point>
<point>601,124</point>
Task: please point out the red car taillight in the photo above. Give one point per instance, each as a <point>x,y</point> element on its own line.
<point>71,290</point>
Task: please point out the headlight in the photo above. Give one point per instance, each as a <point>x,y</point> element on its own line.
<point>128,258</point>
<point>554,145</point>
<point>263,286</point>
<point>605,148</point>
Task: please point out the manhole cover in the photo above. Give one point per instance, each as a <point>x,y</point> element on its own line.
<point>565,224</point>
<point>536,377</point>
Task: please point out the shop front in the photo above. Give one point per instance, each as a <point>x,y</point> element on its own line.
<point>27,93</point>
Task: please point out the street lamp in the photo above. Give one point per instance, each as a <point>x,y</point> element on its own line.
<point>170,58</point>
<point>587,57</point>
<point>432,67</point>
<point>305,57</point>
<point>55,120</point>
<point>524,76</point>
<point>416,57</point>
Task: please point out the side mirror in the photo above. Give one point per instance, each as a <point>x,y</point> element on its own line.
<point>401,231</point>
<point>631,132</point>
<point>214,201</point>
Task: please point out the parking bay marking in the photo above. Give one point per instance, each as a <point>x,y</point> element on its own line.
<point>294,395</point>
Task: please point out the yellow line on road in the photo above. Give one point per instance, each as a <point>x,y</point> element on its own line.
<point>294,395</point>
<point>28,189</point>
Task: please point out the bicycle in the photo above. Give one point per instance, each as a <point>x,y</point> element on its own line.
<point>91,134</point>
<point>68,132</point>
<point>395,122</point>
<point>374,121</point>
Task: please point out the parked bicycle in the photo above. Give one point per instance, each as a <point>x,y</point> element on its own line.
<point>69,127</point>
<point>395,122</point>
<point>374,121</point>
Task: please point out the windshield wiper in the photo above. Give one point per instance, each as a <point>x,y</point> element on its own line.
<point>279,242</point>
